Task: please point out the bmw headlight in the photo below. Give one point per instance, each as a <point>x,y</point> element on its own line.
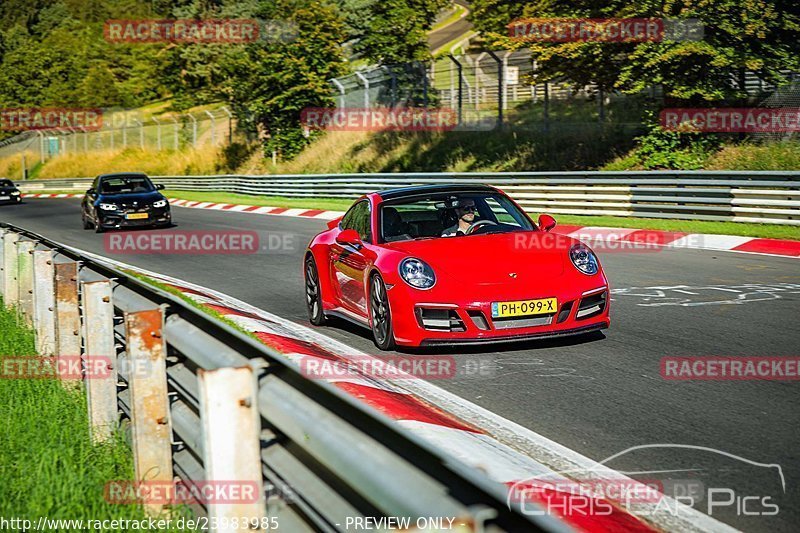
<point>15,193</point>
<point>160,203</point>
<point>584,259</point>
<point>108,207</point>
<point>417,273</point>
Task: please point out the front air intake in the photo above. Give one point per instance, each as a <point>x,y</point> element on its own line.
<point>440,319</point>
<point>591,306</point>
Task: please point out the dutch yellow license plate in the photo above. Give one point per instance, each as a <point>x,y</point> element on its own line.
<point>543,306</point>
<point>132,216</point>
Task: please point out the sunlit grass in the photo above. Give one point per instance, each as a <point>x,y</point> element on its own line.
<point>153,162</point>
<point>48,465</point>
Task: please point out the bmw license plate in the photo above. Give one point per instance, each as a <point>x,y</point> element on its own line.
<point>543,306</point>
<point>131,216</point>
<point>5,198</point>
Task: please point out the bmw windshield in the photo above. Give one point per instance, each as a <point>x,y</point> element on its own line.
<point>449,216</point>
<point>126,184</point>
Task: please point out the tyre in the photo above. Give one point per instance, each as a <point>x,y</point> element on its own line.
<point>86,223</point>
<point>381,314</point>
<point>97,227</point>
<point>313,293</point>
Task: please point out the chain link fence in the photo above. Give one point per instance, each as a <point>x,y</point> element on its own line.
<point>496,88</point>
<point>123,129</point>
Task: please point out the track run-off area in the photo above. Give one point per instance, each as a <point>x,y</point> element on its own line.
<point>602,396</point>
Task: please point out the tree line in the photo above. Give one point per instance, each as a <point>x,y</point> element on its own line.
<point>53,53</point>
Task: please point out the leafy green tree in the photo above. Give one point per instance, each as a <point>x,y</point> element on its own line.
<point>754,35</point>
<point>397,31</point>
<point>270,82</point>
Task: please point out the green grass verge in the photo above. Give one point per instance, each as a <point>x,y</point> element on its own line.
<point>767,231</point>
<point>197,305</point>
<point>330,204</point>
<point>48,466</point>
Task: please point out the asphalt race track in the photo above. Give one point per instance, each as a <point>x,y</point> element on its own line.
<point>598,396</point>
<point>450,32</point>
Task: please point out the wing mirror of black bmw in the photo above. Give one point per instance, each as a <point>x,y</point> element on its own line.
<point>90,191</point>
<point>160,186</point>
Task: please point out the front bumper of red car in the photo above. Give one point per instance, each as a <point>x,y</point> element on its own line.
<point>421,320</point>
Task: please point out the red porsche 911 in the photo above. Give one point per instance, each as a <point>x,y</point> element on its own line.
<point>452,264</point>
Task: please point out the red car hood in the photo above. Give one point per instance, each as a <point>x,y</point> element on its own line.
<point>493,258</point>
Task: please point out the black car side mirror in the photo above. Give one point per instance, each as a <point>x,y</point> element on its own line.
<point>159,187</point>
<point>90,191</point>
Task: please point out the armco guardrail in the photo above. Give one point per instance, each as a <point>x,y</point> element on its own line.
<point>208,404</point>
<point>771,197</point>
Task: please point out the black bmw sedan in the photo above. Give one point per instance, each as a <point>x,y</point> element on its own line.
<point>122,200</point>
<point>9,194</point>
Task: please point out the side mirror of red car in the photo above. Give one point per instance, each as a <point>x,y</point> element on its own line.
<point>349,236</point>
<point>546,222</point>
<point>333,223</point>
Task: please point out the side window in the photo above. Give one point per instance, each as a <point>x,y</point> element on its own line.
<point>358,218</point>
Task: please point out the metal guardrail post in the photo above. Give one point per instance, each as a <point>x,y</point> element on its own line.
<point>10,289</point>
<point>340,87</point>
<point>230,123</point>
<point>365,81</point>
<point>460,86</point>
<point>3,233</point>
<point>147,381</point>
<point>175,130</point>
<point>25,280</point>
<point>67,315</point>
<point>231,426</point>
<point>44,324</point>
<point>194,129</point>
<point>213,127</point>
<point>98,340</point>
<point>500,82</point>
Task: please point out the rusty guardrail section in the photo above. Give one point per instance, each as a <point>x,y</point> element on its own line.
<point>206,403</point>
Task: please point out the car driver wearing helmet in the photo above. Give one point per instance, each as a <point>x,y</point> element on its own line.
<point>465,214</point>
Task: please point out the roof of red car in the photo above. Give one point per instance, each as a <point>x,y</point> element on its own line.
<point>416,190</point>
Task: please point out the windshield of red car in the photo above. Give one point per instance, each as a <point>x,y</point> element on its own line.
<point>448,215</point>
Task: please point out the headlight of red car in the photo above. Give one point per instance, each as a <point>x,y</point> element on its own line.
<point>584,259</point>
<point>417,273</point>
